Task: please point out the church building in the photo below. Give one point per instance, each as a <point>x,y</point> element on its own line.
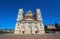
<point>29,23</point>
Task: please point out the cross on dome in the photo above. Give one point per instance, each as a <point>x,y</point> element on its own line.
<point>29,11</point>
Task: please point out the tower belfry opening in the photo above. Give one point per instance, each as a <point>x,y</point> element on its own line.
<point>29,23</point>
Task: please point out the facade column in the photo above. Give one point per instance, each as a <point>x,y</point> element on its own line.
<point>40,28</point>
<point>33,28</point>
<point>16,28</point>
<point>27,29</point>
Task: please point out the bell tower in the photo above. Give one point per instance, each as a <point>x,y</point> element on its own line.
<point>20,15</point>
<point>19,18</point>
<point>40,22</point>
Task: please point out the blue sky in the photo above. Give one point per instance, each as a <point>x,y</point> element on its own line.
<point>50,10</point>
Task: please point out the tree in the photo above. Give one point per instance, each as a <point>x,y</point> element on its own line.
<point>56,25</point>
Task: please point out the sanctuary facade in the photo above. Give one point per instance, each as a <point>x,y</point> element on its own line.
<point>29,23</point>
